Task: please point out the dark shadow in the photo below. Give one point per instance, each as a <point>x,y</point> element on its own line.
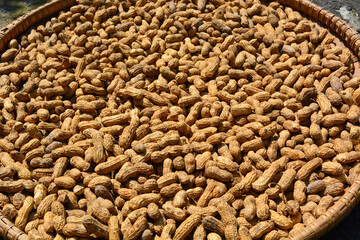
<point>348,229</point>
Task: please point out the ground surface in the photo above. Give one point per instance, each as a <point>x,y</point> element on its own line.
<point>347,9</point>
<point>12,9</point>
<point>349,229</point>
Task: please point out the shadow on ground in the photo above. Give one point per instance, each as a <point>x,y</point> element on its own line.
<point>348,229</point>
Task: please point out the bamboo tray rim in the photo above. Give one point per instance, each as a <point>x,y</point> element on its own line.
<point>342,29</point>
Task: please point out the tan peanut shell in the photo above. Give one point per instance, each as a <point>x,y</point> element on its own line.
<point>176,120</point>
<point>24,212</point>
<point>187,226</point>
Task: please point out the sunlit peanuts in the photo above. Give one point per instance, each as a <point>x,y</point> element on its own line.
<point>176,120</point>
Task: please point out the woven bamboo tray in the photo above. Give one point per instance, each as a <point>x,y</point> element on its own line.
<point>339,27</point>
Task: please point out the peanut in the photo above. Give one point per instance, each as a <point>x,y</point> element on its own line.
<point>153,119</point>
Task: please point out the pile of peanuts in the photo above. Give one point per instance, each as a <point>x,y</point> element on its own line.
<point>204,119</point>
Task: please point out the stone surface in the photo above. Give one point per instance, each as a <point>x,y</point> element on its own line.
<point>12,9</point>
<point>347,9</point>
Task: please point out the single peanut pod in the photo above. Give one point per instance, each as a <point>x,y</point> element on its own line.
<point>205,211</point>
<point>214,225</point>
<point>226,214</point>
<point>262,207</point>
<point>49,222</point>
<point>299,191</point>
<point>187,226</point>
<point>262,182</point>
<point>65,182</point>
<point>308,218</point>
<point>261,228</point>
<point>24,212</point>
<point>212,66</point>
<point>45,205</point>
<point>207,194</point>
<point>99,180</point>
<point>75,229</point>
<point>333,119</point>
<point>172,212</point>
<point>334,189</point>
<point>309,206</point>
<point>112,164</point>
<point>143,200</point>
<point>252,145</point>
<point>316,186</point>
<point>226,163</point>
<point>10,211</point>
<point>283,137</point>
<point>231,232</point>
<point>180,199</point>
<point>59,215</point>
<point>167,179</point>
<point>244,185</point>
<point>259,161</point>
<point>97,141</point>
<point>60,166</point>
<point>213,236</point>
<point>249,210</point>
<point>293,207</point>
<point>168,230</point>
<point>287,179</point>
<point>323,205</point>
<point>200,233</point>
<point>218,174</point>
<point>188,100</point>
<point>332,168</point>
<point>153,211</point>
<point>189,160</point>
<point>235,149</point>
<point>347,157</point>
<point>170,190</point>
<point>39,193</point>
<point>273,235</point>
<point>280,220</point>
<point>241,109</point>
<point>308,168</point>
<point>268,131</point>
<point>324,103</point>
<point>94,226</point>
<point>353,114</point>
<point>98,210</point>
<point>293,154</point>
<point>291,126</point>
